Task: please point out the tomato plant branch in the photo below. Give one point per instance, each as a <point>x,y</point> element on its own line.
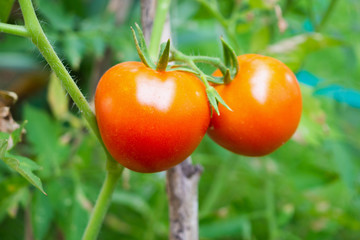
<point>213,96</point>
<point>14,29</point>
<point>102,203</point>
<point>114,170</point>
<point>216,62</point>
<point>162,9</point>
<point>38,37</point>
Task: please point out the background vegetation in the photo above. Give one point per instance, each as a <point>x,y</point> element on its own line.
<point>308,189</point>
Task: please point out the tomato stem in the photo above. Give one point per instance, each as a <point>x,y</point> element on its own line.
<point>164,57</point>
<point>216,62</point>
<point>35,32</point>
<point>40,40</point>
<point>14,29</point>
<point>213,96</point>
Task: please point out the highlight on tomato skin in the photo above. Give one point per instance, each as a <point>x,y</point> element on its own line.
<point>266,104</point>
<point>150,121</point>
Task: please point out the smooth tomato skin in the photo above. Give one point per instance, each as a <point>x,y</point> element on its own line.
<point>149,120</point>
<point>266,101</point>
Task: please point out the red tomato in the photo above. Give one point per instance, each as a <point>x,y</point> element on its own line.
<point>150,120</point>
<point>266,101</point>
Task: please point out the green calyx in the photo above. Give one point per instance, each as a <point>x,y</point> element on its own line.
<point>231,62</point>
<point>144,55</point>
<point>229,67</point>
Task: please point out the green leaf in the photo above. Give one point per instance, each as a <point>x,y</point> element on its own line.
<point>41,215</point>
<point>5,9</point>
<point>239,228</point>
<point>133,201</point>
<point>44,133</point>
<point>63,187</point>
<point>57,98</point>
<point>215,98</point>
<point>164,57</point>
<point>142,48</point>
<point>78,216</point>
<point>74,49</point>
<point>230,59</point>
<point>16,134</point>
<point>25,167</point>
<point>345,165</point>
<point>54,12</point>
<point>13,192</point>
<point>3,145</point>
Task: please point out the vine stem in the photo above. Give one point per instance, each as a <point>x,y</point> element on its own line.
<point>102,203</point>
<point>162,9</point>
<point>40,40</point>
<point>114,170</point>
<point>14,29</point>
<point>179,56</point>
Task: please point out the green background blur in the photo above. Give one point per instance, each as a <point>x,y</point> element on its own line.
<point>308,189</point>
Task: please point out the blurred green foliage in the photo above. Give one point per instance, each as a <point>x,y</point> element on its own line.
<point>308,189</point>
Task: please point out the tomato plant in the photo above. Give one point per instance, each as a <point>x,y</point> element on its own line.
<point>150,120</point>
<point>266,105</point>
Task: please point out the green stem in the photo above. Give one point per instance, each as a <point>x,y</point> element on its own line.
<point>162,9</point>
<point>327,14</point>
<point>40,40</point>
<point>179,56</point>
<point>216,62</point>
<point>114,169</point>
<point>14,29</point>
<point>102,203</point>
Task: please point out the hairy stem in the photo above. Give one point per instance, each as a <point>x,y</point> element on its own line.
<point>40,40</point>
<point>216,62</point>
<point>14,29</point>
<point>114,170</point>
<point>179,56</point>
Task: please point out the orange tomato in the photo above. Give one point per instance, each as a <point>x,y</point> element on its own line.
<point>266,105</point>
<point>149,120</point>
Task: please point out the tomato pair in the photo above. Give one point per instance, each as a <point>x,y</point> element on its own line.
<point>151,121</point>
